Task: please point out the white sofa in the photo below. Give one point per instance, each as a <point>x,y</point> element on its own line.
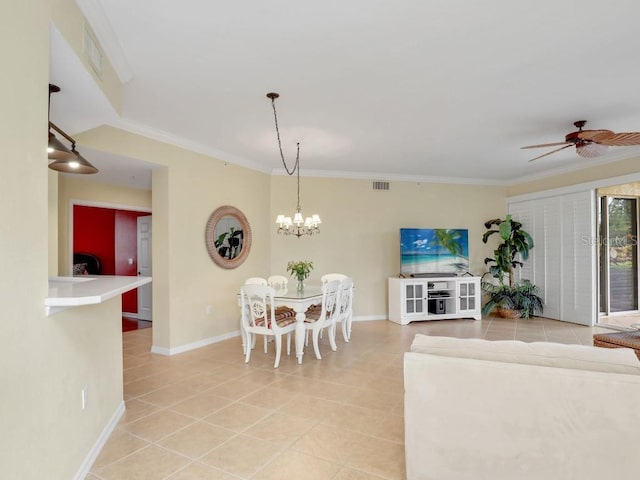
<point>508,410</point>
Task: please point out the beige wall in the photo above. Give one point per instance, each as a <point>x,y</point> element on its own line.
<point>360,230</point>
<point>630,189</point>
<point>187,188</point>
<point>608,170</point>
<point>46,361</point>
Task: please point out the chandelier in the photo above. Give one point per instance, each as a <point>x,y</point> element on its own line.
<point>299,225</point>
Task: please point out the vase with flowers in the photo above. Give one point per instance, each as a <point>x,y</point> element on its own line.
<point>301,270</point>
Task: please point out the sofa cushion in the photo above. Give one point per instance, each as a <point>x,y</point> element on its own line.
<point>577,357</point>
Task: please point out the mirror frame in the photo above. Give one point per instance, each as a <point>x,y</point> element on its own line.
<point>209,236</point>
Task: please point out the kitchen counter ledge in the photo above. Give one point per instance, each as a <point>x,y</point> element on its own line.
<point>66,292</point>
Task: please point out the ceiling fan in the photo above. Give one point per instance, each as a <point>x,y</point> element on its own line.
<point>591,143</point>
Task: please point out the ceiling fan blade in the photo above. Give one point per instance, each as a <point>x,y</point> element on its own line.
<point>552,151</point>
<point>555,144</point>
<point>624,139</point>
<point>594,135</point>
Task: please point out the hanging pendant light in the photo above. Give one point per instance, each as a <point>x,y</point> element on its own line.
<point>299,225</point>
<point>65,160</point>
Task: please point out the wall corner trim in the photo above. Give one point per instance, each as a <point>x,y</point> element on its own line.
<point>100,442</point>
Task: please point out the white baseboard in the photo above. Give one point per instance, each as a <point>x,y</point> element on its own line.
<point>102,439</point>
<point>194,345</point>
<point>236,333</point>
<point>130,315</point>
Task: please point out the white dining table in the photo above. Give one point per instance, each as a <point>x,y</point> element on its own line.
<point>299,301</point>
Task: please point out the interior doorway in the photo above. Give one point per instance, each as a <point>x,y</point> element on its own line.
<point>618,256</point>
<point>110,234</point>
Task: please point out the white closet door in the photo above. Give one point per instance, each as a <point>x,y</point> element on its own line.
<point>548,259</point>
<point>578,292</point>
<point>562,263</point>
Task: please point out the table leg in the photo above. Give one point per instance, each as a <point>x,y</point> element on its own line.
<point>300,330</point>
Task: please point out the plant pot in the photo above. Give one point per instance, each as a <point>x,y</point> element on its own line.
<point>507,312</point>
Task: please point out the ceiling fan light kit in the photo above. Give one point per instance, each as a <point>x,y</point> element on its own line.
<point>590,143</point>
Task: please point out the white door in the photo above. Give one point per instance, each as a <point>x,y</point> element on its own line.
<point>578,296</point>
<point>144,267</point>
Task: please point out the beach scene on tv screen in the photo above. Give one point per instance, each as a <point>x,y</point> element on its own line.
<point>434,250</point>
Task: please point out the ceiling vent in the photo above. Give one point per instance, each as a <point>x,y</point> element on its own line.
<point>91,49</point>
<point>381,185</point>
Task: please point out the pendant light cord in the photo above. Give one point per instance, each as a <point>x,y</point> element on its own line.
<point>296,166</point>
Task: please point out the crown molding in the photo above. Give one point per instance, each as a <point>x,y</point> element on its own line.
<point>165,137</point>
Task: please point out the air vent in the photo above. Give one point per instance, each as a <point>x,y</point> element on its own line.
<point>381,185</point>
<point>93,52</point>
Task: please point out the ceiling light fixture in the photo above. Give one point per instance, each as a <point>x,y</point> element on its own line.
<point>65,160</point>
<point>299,226</point>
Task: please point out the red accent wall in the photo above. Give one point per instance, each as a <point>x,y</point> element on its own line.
<point>112,236</point>
<point>93,232</point>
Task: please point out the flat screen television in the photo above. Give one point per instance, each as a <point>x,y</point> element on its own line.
<point>425,251</point>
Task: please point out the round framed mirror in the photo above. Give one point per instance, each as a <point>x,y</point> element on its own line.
<point>228,237</point>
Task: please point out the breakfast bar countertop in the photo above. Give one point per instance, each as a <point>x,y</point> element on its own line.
<point>65,292</point>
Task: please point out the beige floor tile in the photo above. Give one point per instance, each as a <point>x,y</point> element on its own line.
<point>351,474</point>
<point>242,455</point>
<point>268,397</point>
<point>374,399</point>
<point>120,445</point>
<point>201,405</point>
<point>379,457</point>
<point>291,464</point>
<point>167,396</point>
<point>330,443</point>
<point>356,418</point>
<point>306,406</point>
<point>235,389</point>
<point>199,471</point>
<point>145,385</point>
<point>196,440</point>
<point>281,428</point>
<point>135,410</point>
<point>150,463</point>
<point>238,416</point>
<point>158,425</point>
<point>343,413</point>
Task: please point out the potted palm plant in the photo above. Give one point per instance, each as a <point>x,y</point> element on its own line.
<point>509,299</point>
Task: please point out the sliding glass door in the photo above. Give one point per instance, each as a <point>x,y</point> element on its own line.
<point>618,254</point>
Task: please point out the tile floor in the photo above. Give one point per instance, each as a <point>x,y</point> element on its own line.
<point>620,321</point>
<point>205,414</point>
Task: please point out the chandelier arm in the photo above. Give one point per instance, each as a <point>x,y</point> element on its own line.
<point>296,166</point>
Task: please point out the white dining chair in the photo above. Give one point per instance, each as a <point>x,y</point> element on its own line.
<point>325,317</point>
<point>346,307</point>
<point>279,282</point>
<point>263,319</point>
<point>330,277</point>
<point>254,281</point>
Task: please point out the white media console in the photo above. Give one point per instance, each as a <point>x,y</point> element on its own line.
<point>433,298</point>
